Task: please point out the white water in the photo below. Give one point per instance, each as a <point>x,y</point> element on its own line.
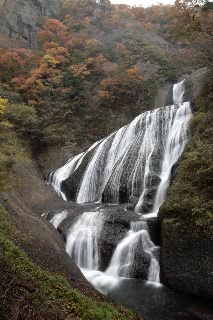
<point>58,218</point>
<point>178,92</point>
<point>93,178</point>
<point>149,147</point>
<point>131,152</point>
<point>82,240</point>
<point>122,261</point>
<point>64,172</point>
<point>120,267</point>
<point>176,141</point>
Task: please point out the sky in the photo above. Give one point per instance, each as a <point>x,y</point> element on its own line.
<point>144,3</point>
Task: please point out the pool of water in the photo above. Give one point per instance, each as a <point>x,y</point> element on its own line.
<point>157,302</point>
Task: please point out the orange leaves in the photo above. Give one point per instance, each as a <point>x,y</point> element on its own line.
<point>14,62</point>
<point>55,56</point>
<point>53,31</point>
<point>18,56</point>
<point>92,43</point>
<point>81,70</point>
<point>120,87</point>
<point>47,77</point>
<point>50,61</point>
<point>123,53</point>
<point>55,26</point>
<point>192,23</point>
<point>45,36</point>
<point>103,94</point>
<point>76,55</point>
<point>134,73</point>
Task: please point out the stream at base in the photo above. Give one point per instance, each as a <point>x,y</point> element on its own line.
<point>159,302</point>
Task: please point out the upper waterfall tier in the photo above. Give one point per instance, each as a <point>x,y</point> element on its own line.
<point>133,162</point>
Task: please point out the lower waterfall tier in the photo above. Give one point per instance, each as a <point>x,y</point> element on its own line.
<point>108,242</point>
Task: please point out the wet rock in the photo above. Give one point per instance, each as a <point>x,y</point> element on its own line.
<point>140,269</point>
<point>133,200</point>
<point>186,258</point>
<point>115,228</point>
<point>154,230</point>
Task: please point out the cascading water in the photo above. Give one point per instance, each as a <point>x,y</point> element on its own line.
<point>134,161</point>
<point>82,240</point>
<point>173,148</point>
<point>123,258</point>
<point>58,218</point>
<point>56,178</point>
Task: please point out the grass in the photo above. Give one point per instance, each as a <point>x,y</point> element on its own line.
<point>13,151</point>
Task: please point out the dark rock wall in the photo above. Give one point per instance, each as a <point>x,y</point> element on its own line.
<point>20,20</point>
<point>186,258</point>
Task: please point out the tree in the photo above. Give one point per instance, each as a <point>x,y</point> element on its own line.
<point>120,88</point>
<point>3,104</point>
<point>14,63</point>
<point>53,31</point>
<point>193,25</point>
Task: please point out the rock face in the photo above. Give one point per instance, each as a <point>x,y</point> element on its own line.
<point>186,258</point>
<point>20,20</point>
<point>193,85</point>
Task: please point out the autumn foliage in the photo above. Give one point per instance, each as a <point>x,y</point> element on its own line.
<point>89,59</point>
<point>3,103</point>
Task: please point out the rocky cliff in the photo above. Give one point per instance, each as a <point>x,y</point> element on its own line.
<point>20,20</point>
<point>186,216</point>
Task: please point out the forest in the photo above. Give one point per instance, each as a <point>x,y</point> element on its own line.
<point>90,61</point>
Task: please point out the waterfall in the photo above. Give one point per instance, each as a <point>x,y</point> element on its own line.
<point>91,189</point>
<point>58,218</point>
<point>174,146</point>
<point>82,240</point>
<point>56,178</point>
<point>135,161</point>
<point>123,259</point>
<point>178,92</point>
